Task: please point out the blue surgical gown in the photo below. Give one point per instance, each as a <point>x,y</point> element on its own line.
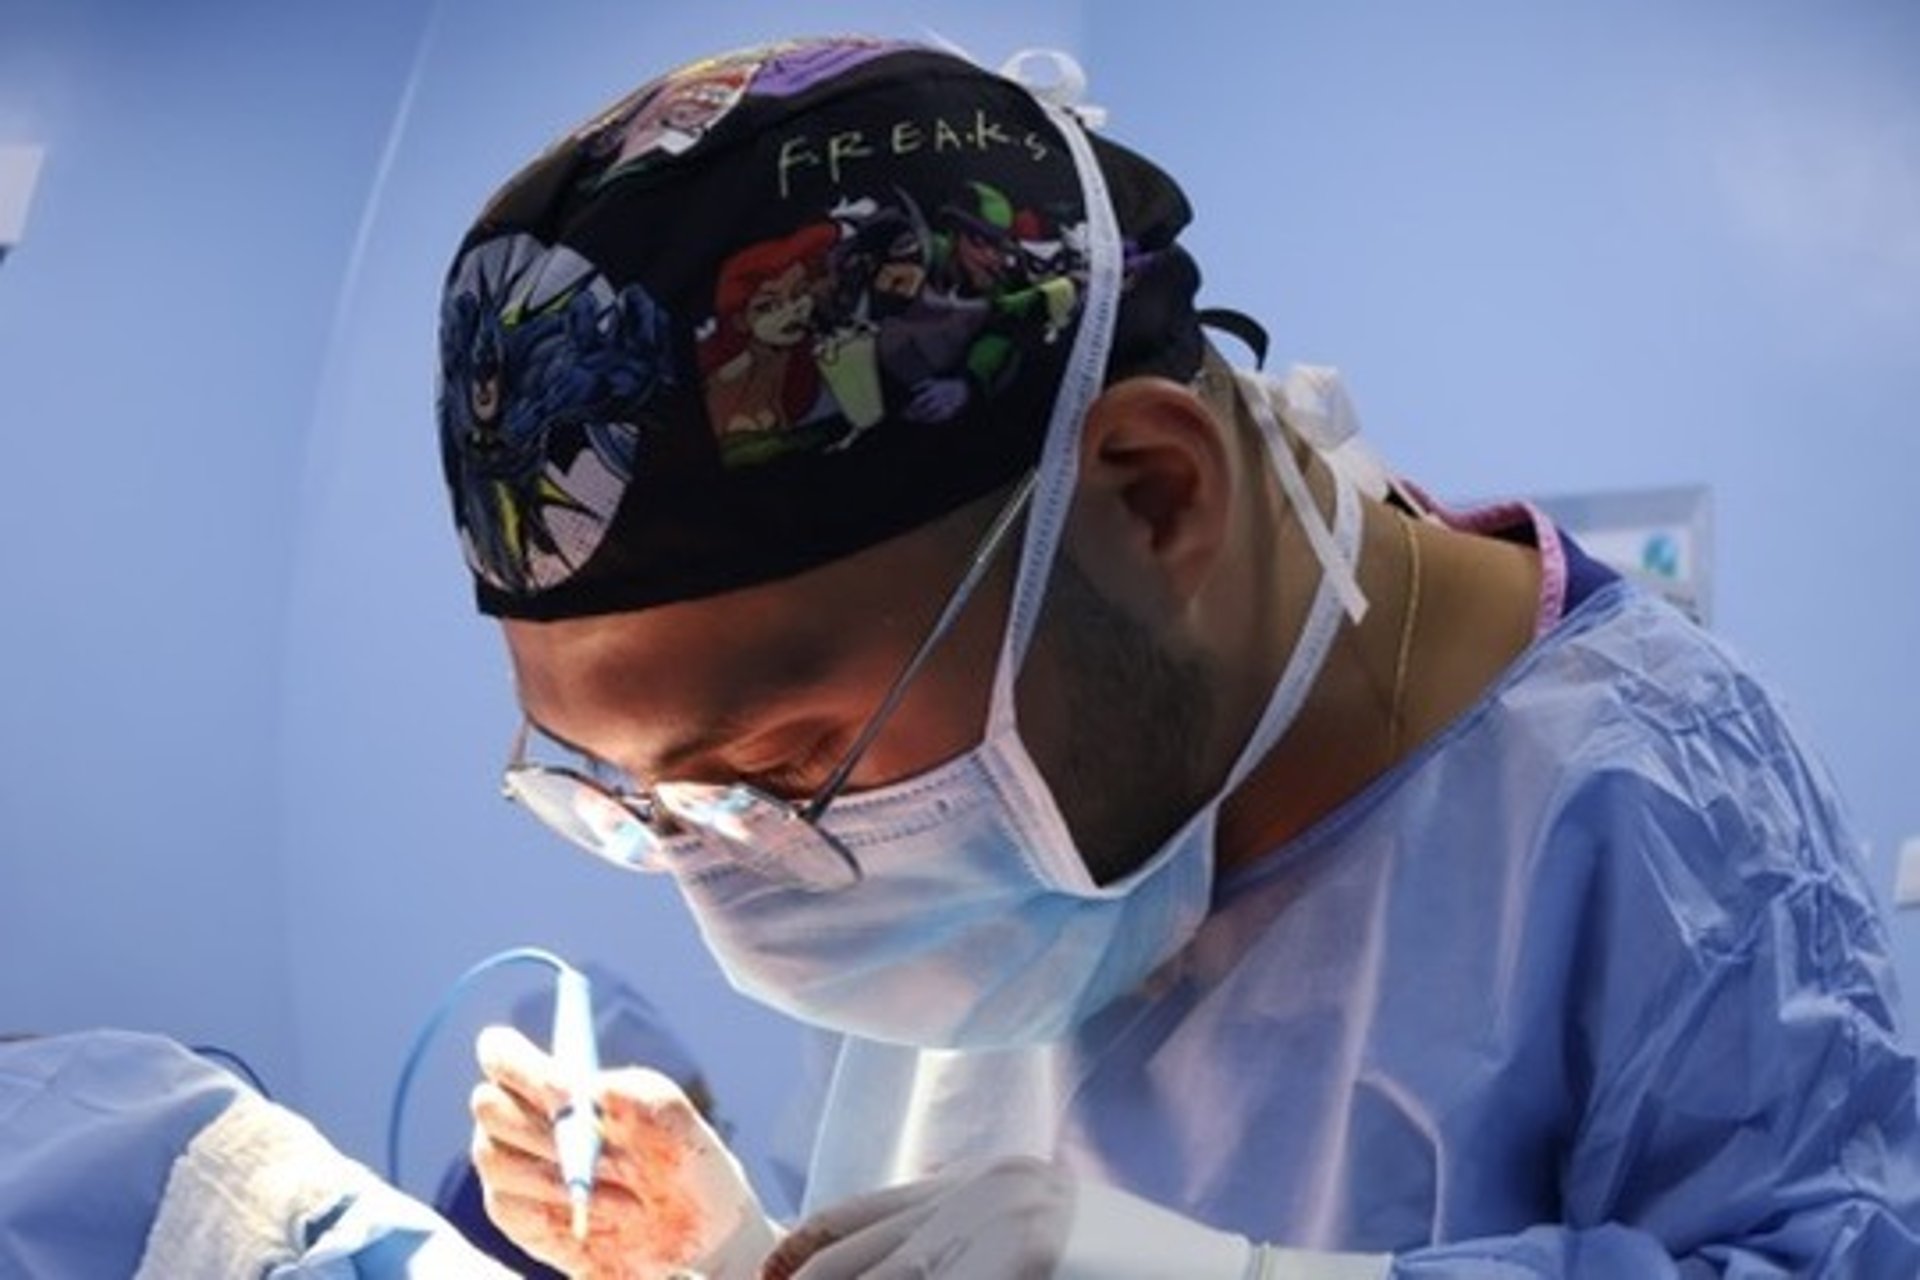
<point>1589,986</point>
<point>94,1127</point>
<point>90,1125</point>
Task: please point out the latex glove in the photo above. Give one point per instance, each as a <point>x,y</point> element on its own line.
<point>1017,1219</point>
<point>1007,1220</point>
<point>668,1199</point>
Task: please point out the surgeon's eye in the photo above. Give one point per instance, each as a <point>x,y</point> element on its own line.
<point>610,776</point>
<point>800,775</point>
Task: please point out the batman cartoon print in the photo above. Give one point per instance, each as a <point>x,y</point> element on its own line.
<point>546,370</point>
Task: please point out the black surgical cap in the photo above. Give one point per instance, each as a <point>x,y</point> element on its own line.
<point>773,308</point>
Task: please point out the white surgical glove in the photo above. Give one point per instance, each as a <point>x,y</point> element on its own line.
<point>668,1198</point>
<point>1023,1219</point>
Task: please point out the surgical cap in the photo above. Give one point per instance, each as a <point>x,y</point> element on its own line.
<point>773,308</point>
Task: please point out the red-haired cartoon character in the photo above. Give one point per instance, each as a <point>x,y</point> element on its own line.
<point>758,363</point>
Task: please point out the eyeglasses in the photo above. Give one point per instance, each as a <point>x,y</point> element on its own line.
<point>781,840</point>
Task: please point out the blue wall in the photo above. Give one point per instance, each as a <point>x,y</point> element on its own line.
<point>162,331</point>
<point>249,725</point>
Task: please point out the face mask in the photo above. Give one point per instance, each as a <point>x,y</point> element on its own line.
<point>976,923</point>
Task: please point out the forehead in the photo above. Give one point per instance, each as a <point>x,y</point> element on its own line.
<point>639,682</point>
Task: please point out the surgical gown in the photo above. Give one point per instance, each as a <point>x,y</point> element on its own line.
<point>90,1126</point>
<point>1589,986</point>
<point>123,1154</point>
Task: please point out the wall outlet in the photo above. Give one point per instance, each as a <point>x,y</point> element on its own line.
<point>1906,884</point>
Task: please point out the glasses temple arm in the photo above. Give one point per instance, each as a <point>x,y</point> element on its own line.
<point>517,755</point>
<point>956,600</point>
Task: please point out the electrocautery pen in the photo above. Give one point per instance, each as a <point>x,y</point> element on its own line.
<point>576,1127</point>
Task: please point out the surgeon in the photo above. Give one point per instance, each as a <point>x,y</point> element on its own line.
<point>1216,860</point>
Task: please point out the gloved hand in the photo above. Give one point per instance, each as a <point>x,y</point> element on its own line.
<point>1029,1220</point>
<point>1009,1219</point>
<point>668,1198</point>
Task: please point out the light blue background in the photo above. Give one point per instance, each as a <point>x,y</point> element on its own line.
<point>249,724</point>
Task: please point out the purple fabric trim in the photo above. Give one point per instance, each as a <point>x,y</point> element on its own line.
<point>1502,519</point>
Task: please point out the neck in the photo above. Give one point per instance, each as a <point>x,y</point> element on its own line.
<point>1476,601</point>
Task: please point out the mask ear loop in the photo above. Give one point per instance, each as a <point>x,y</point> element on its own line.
<point>1064,90</point>
<point>1318,407</point>
<point>1080,385</point>
<point>1260,392</point>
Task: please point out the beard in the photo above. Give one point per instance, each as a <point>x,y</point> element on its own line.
<point>1138,727</point>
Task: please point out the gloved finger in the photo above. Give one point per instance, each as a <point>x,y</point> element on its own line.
<point>504,1119</point>
<point>537,1225</point>
<point>643,1089</point>
<point>526,1219</point>
<point>862,1228</point>
<point>854,1255</point>
<point>615,1248</point>
<point>909,1264</point>
<point>507,1170</point>
<point>542,1230</point>
<point>837,1221</point>
<point>514,1063</point>
<point>533,1190</point>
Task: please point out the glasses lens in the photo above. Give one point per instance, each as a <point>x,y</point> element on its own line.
<point>585,813</point>
<point>766,835</point>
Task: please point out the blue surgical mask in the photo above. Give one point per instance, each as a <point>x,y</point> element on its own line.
<point>976,923</point>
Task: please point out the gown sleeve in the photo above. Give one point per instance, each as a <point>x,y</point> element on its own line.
<point>90,1125</point>
<point>1749,1109</point>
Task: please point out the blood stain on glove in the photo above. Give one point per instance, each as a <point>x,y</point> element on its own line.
<point>658,1143</point>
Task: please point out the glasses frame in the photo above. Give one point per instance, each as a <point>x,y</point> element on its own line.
<point>664,823</point>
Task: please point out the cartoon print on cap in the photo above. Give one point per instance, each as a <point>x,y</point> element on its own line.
<point>757,356</point>
<point>679,113</point>
<point>872,313</point>
<point>544,370</point>
<point>671,115</point>
<point>794,66</point>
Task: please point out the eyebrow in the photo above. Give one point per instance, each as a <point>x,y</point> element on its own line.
<point>690,747</point>
<point>726,728</point>
<point>570,745</point>
<point>760,700</point>
<point>765,691</point>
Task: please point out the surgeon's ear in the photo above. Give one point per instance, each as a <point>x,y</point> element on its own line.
<point>1156,483</point>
